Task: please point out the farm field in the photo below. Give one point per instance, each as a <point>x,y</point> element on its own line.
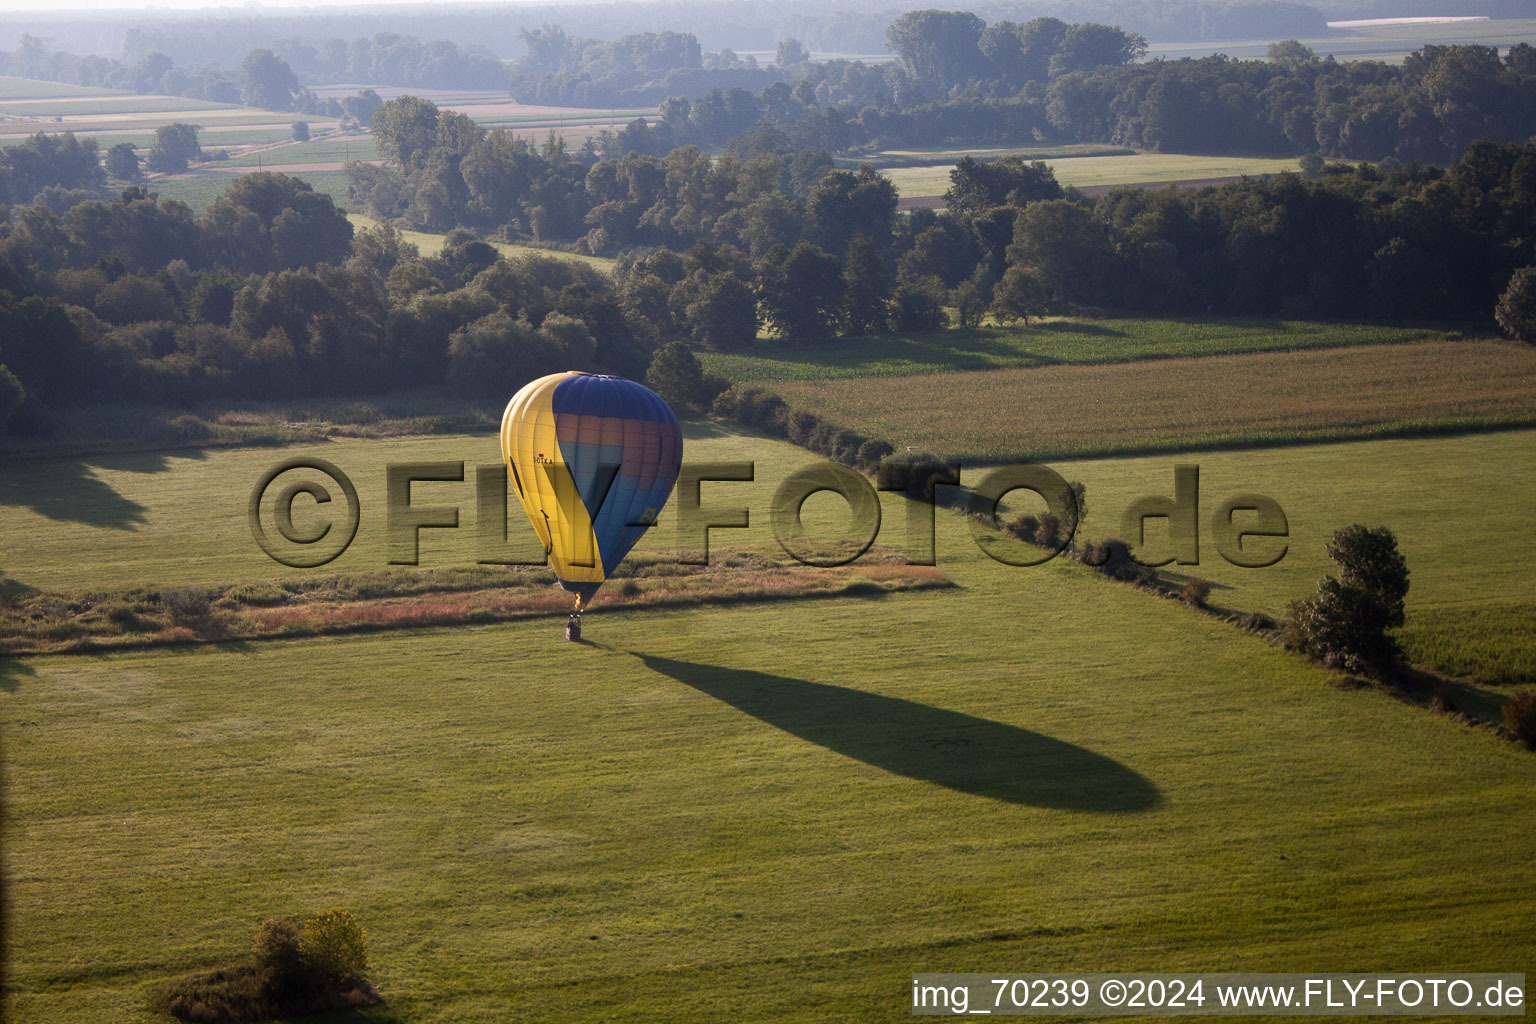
<point>199,188</point>
<point>1183,404</point>
<point>1471,604</point>
<point>1092,171</point>
<point>1041,343</point>
<point>430,244</point>
<point>653,825</point>
<point>1383,41</point>
<point>334,150</point>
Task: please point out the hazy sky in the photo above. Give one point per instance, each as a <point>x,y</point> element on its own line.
<point>121,6</point>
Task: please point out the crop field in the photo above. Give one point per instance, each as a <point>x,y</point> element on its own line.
<point>1041,343</point>
<point>1174,404</point>
<point>1383,41</point>
<point>1090,171</point>
<point>659,824</point>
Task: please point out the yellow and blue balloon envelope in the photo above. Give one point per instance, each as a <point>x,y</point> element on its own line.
<point>593,459</point>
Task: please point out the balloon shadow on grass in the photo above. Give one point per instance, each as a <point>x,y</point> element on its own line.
<point>918,741</point>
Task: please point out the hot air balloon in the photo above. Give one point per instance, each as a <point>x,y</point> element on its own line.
<point>593,459</point>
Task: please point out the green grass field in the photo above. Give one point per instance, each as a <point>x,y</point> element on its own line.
<point>319,151</point>
<point>199,189</point>
<point>1086,171</point>
<point>1043,343</point>
<point>1255,398</point>
<point>770,812</point>
<point>1453,503</point>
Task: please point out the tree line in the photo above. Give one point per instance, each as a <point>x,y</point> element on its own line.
<point>271,293</point>
<point>961,82</point>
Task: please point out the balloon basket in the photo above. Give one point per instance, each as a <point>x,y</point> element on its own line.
<point>573,628</point>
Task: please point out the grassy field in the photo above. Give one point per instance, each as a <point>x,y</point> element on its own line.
<point>759,812</point>
<point>430,244</point>
<point>1173,404</point>
<point>320,151</point>
<point>1042,343</point>
<point>1390,43</point>
<point>918,182</point>
<point>200,188</point>
<point>1453,502</point>
<point>13,88</point>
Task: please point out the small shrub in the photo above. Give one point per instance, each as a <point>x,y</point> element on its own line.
<point>125,617</point>
<point>1048,532</point>
<point>1112,557</point>
<point>1026,528</point>
<point>277,947</point>
<point>630,588</point>
<point>190,427</point>
<point>1520,717</point>
<point>187,606</point>
<point>1257,622</point>
<point>333,945</point>
<point>1196,591</point>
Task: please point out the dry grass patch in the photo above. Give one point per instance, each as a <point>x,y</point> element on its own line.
<point>42,623</point>
<point>1218,401</point>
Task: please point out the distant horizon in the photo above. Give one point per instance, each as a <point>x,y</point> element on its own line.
<point>118,7</point>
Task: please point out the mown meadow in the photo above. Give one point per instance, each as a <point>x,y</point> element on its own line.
<point>773,811</point>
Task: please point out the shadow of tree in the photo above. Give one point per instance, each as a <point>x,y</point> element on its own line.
<point>12,672</point>
<point>67,490</point>
<point>917,741</point>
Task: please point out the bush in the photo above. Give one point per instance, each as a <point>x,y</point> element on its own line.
<point>871,452</point>
<point>191,427</point>
<point>629,588</point>
<point>1026,528</point>
<point>332,945</point>
<point>1520,716</point>
<point>919,475</point>
<point>1048,530</point>
<point>187,606</point>
<point>290,972</point>
<point>125,617</point>
<point>1256,622</point>
<point>276,949</point>
<point>1112,557</point>
<point>1196,590</point>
